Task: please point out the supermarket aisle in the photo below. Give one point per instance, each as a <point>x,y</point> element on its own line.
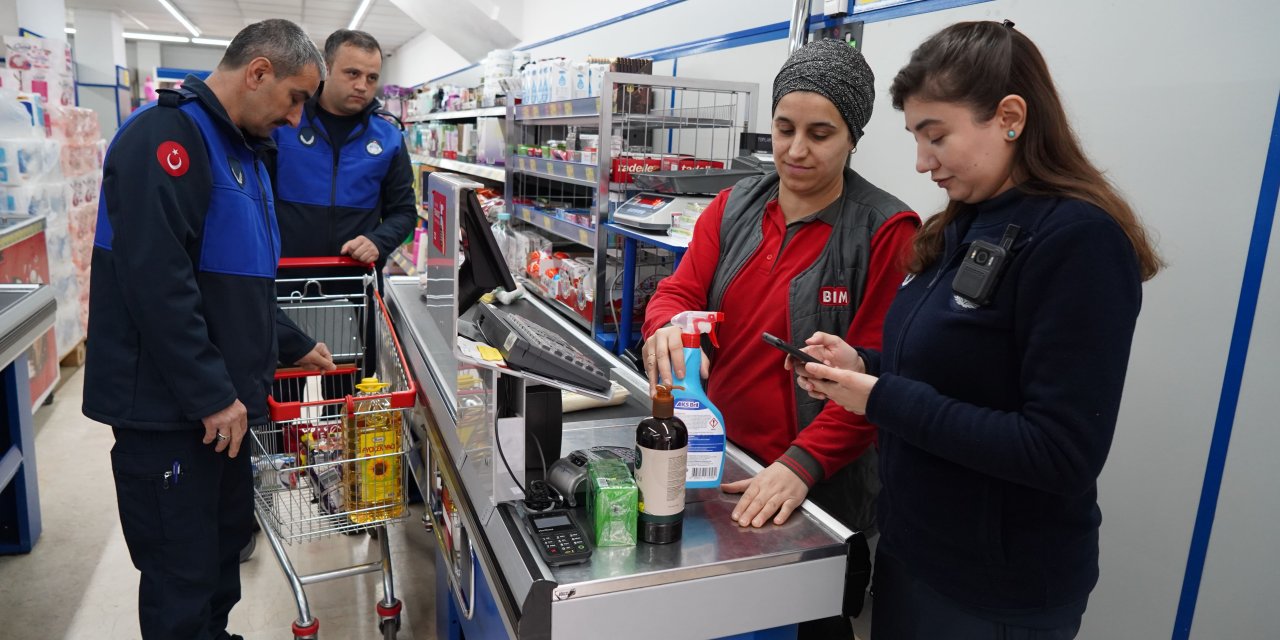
<point>78,582</point>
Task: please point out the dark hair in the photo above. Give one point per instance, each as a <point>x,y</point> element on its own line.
<point>284,43</point>
<point>357,39</point>
<point>978,64</point>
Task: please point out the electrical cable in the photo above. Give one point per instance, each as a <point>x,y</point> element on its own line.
<point>537,496</point>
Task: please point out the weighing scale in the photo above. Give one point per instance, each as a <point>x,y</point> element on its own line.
<point>652,211</point>
<point>669,192</point>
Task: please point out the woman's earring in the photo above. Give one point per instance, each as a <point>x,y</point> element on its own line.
<point>855,150</point>
<point>1012,134</point>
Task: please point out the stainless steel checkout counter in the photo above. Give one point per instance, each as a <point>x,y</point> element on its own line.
<point>720,580</point>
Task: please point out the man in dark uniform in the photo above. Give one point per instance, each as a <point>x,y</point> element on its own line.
<point>344,183</point>
<point>184,329</point>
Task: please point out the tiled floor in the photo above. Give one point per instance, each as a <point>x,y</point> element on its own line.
<point>79,584</point>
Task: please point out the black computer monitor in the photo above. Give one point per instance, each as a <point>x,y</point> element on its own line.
<point>484,269</point>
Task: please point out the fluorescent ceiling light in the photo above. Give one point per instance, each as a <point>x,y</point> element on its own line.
<point>215,42</point>
<point>133,18</point>
<point>156,36</point>
<point>360,11</point>
<point>179,17</point>
<point>70,30</point>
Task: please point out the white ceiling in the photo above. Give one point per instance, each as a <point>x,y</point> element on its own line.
<point>224,18</point>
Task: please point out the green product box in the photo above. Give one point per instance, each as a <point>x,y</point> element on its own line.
<point>612,503</point>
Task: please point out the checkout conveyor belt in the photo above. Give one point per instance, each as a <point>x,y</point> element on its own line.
<point>719,580</point>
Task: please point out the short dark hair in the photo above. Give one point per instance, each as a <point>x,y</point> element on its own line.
<point>284,43</point>
<point>357,39</point>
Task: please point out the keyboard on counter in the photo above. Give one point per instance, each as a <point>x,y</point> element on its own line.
<point>528,346</point>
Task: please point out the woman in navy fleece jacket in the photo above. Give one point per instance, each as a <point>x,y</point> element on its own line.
<point>995,415</point>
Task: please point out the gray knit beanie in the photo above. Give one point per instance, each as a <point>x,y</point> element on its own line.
<point>837,72</point>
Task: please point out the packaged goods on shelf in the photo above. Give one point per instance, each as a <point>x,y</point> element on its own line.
<point>456,141</point>
<point>396,100</point>
<point>40,66</point>
<point>491,146</point>
<point>683,222</point>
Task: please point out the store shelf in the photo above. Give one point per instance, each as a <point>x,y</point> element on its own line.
<point>564,229</point>
<point>660,240</point>
<point>497,174</point>
<point>706,108</point>
<point>580,111</point>
<point>571,172</point>
<point>679,118</point>
<point>586,111</point>
<point>489,112</point>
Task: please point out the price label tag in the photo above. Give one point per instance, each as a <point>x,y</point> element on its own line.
<point>591,174</point>
<point>571,171</point>
<point>583,236</point>
<point>554,109</point>
<point>546,222</point>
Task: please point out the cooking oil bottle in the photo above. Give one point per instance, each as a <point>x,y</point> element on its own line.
<point>373,442</point>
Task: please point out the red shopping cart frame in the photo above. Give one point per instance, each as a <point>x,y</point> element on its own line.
<point>279,411</point>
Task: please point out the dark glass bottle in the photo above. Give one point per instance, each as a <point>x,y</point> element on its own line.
<point>662,452</point>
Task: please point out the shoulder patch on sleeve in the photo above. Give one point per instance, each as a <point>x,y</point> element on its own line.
<point>173,158</point>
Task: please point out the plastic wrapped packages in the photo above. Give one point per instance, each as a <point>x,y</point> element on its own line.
<point>612,503</point>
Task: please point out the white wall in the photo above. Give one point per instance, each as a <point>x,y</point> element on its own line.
<point>543,19</point>
<point>1176,102</point>
<point>184,56</point>
<point>419,59</point>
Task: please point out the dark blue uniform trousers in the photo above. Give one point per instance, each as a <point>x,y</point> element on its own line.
<point>184,532</point>
<point>904,608</point>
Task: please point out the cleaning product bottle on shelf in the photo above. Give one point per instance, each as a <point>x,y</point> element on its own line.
<point>375,477</point>
<point>703,419</point>
<point>507,242</point>
<point>662,448</point>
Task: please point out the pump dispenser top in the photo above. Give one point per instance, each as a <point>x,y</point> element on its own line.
<point>664,404</point>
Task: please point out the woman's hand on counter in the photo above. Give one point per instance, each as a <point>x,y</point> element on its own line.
<point>775,490</point>
<point>849,389</point>
<point>664,356</point>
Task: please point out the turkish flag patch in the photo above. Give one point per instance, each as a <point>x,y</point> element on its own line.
<point>173,158</point>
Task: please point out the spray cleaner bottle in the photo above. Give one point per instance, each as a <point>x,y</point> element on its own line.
<point>703,419</point>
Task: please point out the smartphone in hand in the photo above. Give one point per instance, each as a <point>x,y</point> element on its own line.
<point>788,348</point>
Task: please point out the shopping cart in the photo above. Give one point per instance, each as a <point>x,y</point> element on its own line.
<point>332,459</point>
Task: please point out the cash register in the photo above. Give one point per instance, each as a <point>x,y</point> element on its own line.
<point>524,344</point>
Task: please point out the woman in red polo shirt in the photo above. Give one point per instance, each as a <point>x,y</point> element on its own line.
<point>812,245</point>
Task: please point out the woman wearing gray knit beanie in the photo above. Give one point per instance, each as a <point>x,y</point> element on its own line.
<point>810,247</point>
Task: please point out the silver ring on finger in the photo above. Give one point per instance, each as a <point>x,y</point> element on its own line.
<point>222,436</point>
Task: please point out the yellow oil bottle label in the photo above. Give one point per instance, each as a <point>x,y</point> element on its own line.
<point>380,477</point>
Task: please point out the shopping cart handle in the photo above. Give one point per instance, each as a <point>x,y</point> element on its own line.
<point>332,261</point>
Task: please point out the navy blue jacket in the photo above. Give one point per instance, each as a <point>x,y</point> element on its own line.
<point>183,317</point>
<point>325,198</point>
<point>994,422</point>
